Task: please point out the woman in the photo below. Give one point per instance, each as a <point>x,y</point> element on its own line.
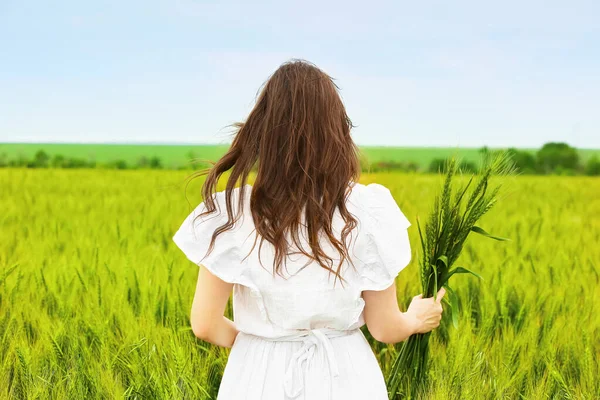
<point>310,254</point>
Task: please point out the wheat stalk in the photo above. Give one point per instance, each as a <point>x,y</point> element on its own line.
<point>442,239</point>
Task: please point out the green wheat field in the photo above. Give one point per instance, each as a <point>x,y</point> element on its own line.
<point>95,296</point>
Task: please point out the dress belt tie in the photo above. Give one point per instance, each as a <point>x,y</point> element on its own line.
<point>314,340</point>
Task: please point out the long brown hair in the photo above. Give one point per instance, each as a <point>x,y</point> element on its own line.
<point>298,137</point>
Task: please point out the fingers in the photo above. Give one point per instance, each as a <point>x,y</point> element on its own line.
<point>440,294</point>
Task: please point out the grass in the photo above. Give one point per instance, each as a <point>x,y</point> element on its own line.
<point>177,155</point>
<point>95,297</point>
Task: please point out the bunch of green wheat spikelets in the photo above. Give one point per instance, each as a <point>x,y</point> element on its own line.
<point>455,214</point>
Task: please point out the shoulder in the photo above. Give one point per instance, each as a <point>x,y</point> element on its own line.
<point>383,245</point>
<point>195,233</point>
<point>370,195</point>
<point>372,190</point>
<point>201,220</point>
<point>220,202</point>
<point>377,202</point>
<point>221,195</point>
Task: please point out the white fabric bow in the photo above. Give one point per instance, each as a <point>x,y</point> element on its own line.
<point>316,340</point>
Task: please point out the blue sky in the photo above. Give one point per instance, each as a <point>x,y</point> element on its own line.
<point>438,73</point>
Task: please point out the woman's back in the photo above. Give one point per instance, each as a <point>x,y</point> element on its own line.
<point>310,255</point>
<point>299,335</point>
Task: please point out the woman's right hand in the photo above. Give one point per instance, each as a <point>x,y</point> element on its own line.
<point>426,314</point>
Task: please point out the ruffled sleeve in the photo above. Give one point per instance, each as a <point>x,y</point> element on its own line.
<point>194,235</point>
<point>386,246</point>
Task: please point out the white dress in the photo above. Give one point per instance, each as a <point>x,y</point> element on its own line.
<point>299,336</point>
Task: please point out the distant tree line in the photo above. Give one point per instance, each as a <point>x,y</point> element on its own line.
<point>436,165</point>
<point>552,158</point>
<point>555,158</point>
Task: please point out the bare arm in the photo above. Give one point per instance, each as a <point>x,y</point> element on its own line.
<point>388,324</point>
<point>383,316</point>
<point>207,319</point>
